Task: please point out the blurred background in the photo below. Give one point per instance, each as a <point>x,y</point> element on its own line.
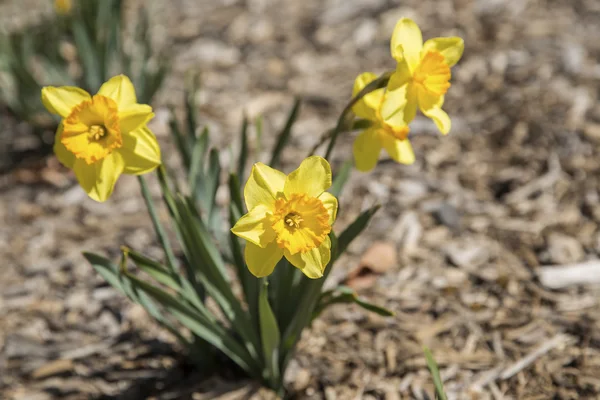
<point>465,248</point>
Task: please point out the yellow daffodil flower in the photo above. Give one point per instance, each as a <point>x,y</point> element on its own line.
<point>392,134</point>
<point>288,216</point>
<point>422,75</point>
<point>63,6</point>
<point>102,136</point>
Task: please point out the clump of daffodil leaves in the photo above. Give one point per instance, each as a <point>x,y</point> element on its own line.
<point>279,238</point>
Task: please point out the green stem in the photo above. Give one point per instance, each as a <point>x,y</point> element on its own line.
<point>158,228</point>
<point>340,126</point>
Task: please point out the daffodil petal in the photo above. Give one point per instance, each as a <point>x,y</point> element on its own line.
<point>331,204</point>
<point>98,179</point>
<point>140,151</point>
<point>262,261</point>
<point>366,149</point>
<point>255,226</point>
<point>450,47</point>
<point>61,100</point>
<point>400,77</point>
<point>312,177</point>
<point>441,119</point>
<point>134,116</point>
<point>407,42</point>
<point>65,157</point>
<point>400,150</point>
<point>412,103</point>
<point>313,262</point>
<point>120,89</point>
<point>431,106</point>
<point>263,186</point>
<point>394,106</point>
<point>367,106</point>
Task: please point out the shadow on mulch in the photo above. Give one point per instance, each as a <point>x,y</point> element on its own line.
<point>23,144</point>
<point>161,372</point>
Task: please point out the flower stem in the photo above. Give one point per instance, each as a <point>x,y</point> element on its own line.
<point>158,228</point>
<point>342,120</point>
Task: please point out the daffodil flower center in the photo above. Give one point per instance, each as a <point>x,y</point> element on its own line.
<point>293,220</point>
<point>92,131</point>
<point>300,222</point>
<point>433,73</point>
<point>97,132</point>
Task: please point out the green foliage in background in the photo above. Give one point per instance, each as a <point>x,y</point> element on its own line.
<point>83,48</point>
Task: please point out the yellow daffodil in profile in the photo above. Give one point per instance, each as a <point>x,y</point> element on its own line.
<point>288,216</point>
<point>422,75</point>
<point>102,136</point>
<point>390,134</point>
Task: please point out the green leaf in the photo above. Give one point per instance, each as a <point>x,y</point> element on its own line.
<point>235,194</point>
<point>208,330</point>
<point>341,178</point>
<point>435,373</point>
<point>158,228</point>
<point>190,105</point>
<point>282,295</point>
<point>344,294</point>
<point>196,170</point>
<point>157,271</point>
<point>112,275</point>
<point>106,269</point>
<point>243,149</point>
<point>208,265</point>
<point>352,231</point>
<point>181,141</point>
<point>258,125</point>
<point>285,133</point>
<point>305,295</point>
<point>270,336</point>
<point>211,182</point>
<point>89,60</point>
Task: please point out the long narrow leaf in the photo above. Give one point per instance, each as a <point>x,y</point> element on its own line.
<point>212,184</point>
<point>258,125</point>
<point>281,284</point>
<point>352,231</point>
<point>157,271</point>
<point>86,49</point>
<point>344,294</point>
<point>243,149</point>
<point>435,373</point>
<point>235,195</point>
<point>196,170</point>
<point>190,106</point>
<point>111,274</point>
<point>210,269</point>
<point>284,135</point>
<point>208,330</point>
<point>270,337</point>
<point>158,227</point>
<point>308,294</point>
<point>181,141</point>
<point>341,178</point>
